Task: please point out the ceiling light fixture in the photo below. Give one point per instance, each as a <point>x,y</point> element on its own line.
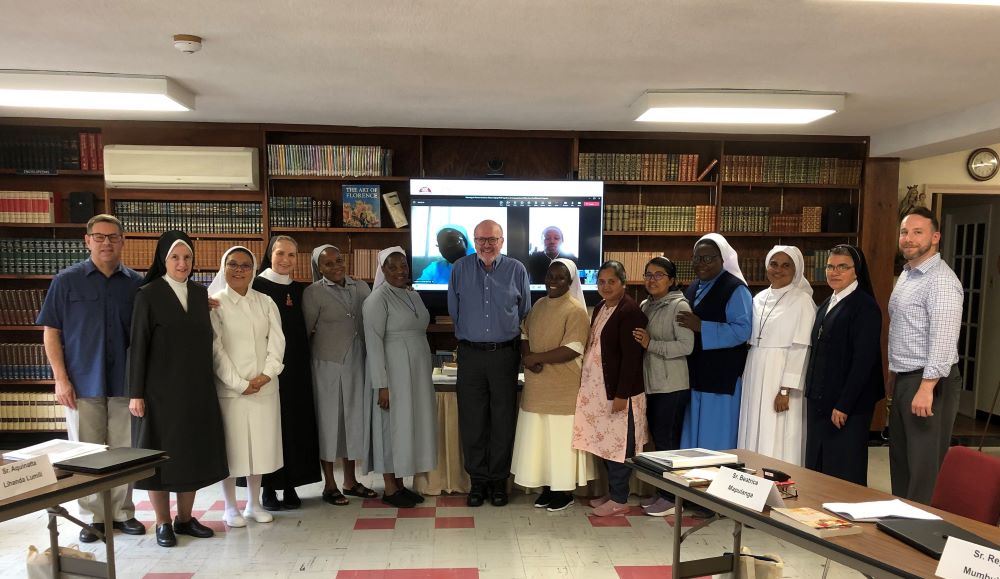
<point>736,107</point>
<point>92,91</point>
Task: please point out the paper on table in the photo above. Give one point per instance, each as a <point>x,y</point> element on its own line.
<point>57,449</point>
<point>874,510</point>
<point>705,473</point>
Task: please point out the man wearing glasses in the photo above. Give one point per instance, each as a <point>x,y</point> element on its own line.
<point>488,296</point>
<point>87,317</point>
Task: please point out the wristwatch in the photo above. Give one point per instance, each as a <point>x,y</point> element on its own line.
<point>783,391</point>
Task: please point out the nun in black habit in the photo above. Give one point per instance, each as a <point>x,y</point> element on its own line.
<point>172,387</point>
<point>844,379</point>
<point>299,434</point>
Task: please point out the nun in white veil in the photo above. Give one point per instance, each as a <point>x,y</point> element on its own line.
<point>553,338</point>
<point>400,366</point>
<point>772,417</point>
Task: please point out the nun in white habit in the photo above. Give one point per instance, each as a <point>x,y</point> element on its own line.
<point>248,348</point>
<point>772,417</point>
<point>404,420</point>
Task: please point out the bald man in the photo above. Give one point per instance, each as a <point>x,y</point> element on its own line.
<point>539,261</point>
<point>488,296</point>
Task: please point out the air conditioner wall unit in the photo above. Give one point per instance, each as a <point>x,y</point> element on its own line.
<point>154,167</point>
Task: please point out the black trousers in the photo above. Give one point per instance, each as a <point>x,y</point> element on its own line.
<point>840,452</point>
<point>487,410</point>
<point>665,414</point>
<point>618,473</point>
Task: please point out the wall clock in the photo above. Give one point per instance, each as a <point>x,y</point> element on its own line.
<point>983,164</point>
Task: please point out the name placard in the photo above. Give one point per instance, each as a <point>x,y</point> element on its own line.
<point>965,560</point>
<point>26,475</point>
<point>745,490</point>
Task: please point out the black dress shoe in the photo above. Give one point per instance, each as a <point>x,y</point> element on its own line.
<point>498,498</point>
<point>413,495</point>
<point>86,536</point>
<point>291,500</point>
<point>130,527</point>
<point>399,500</point>
<point>165,535</point>
<point>270,501</point>
<point>193,528</point>
<point>476,496</point>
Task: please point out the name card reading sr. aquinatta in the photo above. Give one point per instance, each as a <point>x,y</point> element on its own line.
<point>746,490</point>
<point>964,560</point>
<point>25,475</point>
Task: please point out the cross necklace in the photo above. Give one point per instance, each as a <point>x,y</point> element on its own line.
<point>763,309</point>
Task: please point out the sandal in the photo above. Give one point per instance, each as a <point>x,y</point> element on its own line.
<point>335,498</point>
<point>360,490</point>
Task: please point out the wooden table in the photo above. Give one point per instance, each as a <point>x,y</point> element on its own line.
<point>873,552</point>
<point>70,488</point>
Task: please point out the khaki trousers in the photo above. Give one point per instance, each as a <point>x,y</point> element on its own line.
<point>103,421</point>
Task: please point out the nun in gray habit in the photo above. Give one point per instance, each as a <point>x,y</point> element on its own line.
<point>332,310</point>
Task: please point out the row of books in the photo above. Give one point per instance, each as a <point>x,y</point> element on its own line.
<point>777,169</point>
<point>138,253</point>
<point>31,411</point>
<point>240,217</point>
<point>24,362</point>
<point>20,307</point>
<point>329,160</point>
<point>297,211</point>
<point>363,263</point>
<point>45,154</point>
<point>638,167</point>
<point>741,218</point>
<point>815,265</point>
<point>26,207</point>
<point>39,256</point>
<point>658,218</point>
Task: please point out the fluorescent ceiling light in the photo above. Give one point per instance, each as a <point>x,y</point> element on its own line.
<point>736,107</point>
<point>92,91</point>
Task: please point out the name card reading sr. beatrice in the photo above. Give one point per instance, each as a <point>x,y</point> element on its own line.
<point>26,475</point>
<point>964,560</point>
<point>745,490</point>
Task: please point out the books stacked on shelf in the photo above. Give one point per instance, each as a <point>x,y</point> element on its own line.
<point>203,277</point>
<point>20,307</point>
<point>443,320</point>
<point>24,362</point>
<point>329,160</point>
<point>26,207</point>
<point>138,253</point>
<point>806,170</point>
<point>657,218</point>
<point>638,167</point>
<point>39,256</point>
<point>815,522</point>
<point>363,263</point>
<point>240,217</point>
<point>705,219</point>
<point>754,269</point>
<point>634,262</point>
<point>785,223</point>
<point>47,154</point>
<point>297,211</point>
<point>744,219</point>
<point>685,271</point>
<point>303,268</point>
<point>27,411</point>
<point>815,265</point>
<point>362,205</point>
<point>812,219</point>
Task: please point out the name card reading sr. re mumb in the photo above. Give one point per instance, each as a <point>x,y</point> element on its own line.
<point>746,490</point>
<point>965,560</point>
<point>25,475</point>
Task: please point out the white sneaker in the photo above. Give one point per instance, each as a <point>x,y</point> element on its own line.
<point>661,508</point>
<point>234,519</point>
<point>259,515</point>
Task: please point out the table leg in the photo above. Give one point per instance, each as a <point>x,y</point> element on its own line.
<point>678,515</point>
<point>737,546</point>
<point>54,543</point>
<point>109,533</point>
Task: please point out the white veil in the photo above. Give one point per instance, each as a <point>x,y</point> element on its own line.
<point>799,281</point>
<point>575,289</point>
<point>219,281</point>
<point>382,256</point>
<point>730,261</point>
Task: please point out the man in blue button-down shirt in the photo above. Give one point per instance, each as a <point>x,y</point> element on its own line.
<point>488,296</point>
<point>87,316</point>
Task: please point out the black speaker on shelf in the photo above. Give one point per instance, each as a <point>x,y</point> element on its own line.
<point>839,218</point>
<point>81,206</point>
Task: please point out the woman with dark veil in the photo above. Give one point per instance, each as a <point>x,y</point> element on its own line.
<point>844,378</point>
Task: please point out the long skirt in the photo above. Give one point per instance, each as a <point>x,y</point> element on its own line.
<point>712,420</point>
<point>544,453</point>
<point>253,433</point>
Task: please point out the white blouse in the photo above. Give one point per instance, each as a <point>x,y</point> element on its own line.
<point>180,289</point>
<point>248,342</point>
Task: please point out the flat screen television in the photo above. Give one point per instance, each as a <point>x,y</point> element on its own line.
<point>539,218</point>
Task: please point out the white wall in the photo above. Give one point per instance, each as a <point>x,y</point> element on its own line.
<point>943,170</point>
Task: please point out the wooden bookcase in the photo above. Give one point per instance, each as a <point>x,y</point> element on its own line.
<point>448,153</point>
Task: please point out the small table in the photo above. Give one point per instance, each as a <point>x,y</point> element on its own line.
<point>871,552</point>
<point>69,488</point>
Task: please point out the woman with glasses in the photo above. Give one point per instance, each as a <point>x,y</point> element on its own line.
<point>771,408</point>
<point>552,339</point>
<point>844,377</point>
<point>299,436</point>
<point>664,365</point>
<point>248,348</point>
<point>332,309</point>
<point>610,420</point>
<point>171,387</point>
<point>720,320</point>
<point>404,422</point>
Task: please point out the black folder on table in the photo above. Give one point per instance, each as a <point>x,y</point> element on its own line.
<point>109,460</point>
<point>929,536</point>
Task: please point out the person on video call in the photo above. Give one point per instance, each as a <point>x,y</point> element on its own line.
<point>539,261</point>
<point>453,243</point>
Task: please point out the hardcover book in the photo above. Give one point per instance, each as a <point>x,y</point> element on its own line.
<point>362,205</point>
<point>815,522</point>
<point>690,457</point>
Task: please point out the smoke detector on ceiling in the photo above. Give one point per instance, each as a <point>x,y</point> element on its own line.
<point>187,43</point>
